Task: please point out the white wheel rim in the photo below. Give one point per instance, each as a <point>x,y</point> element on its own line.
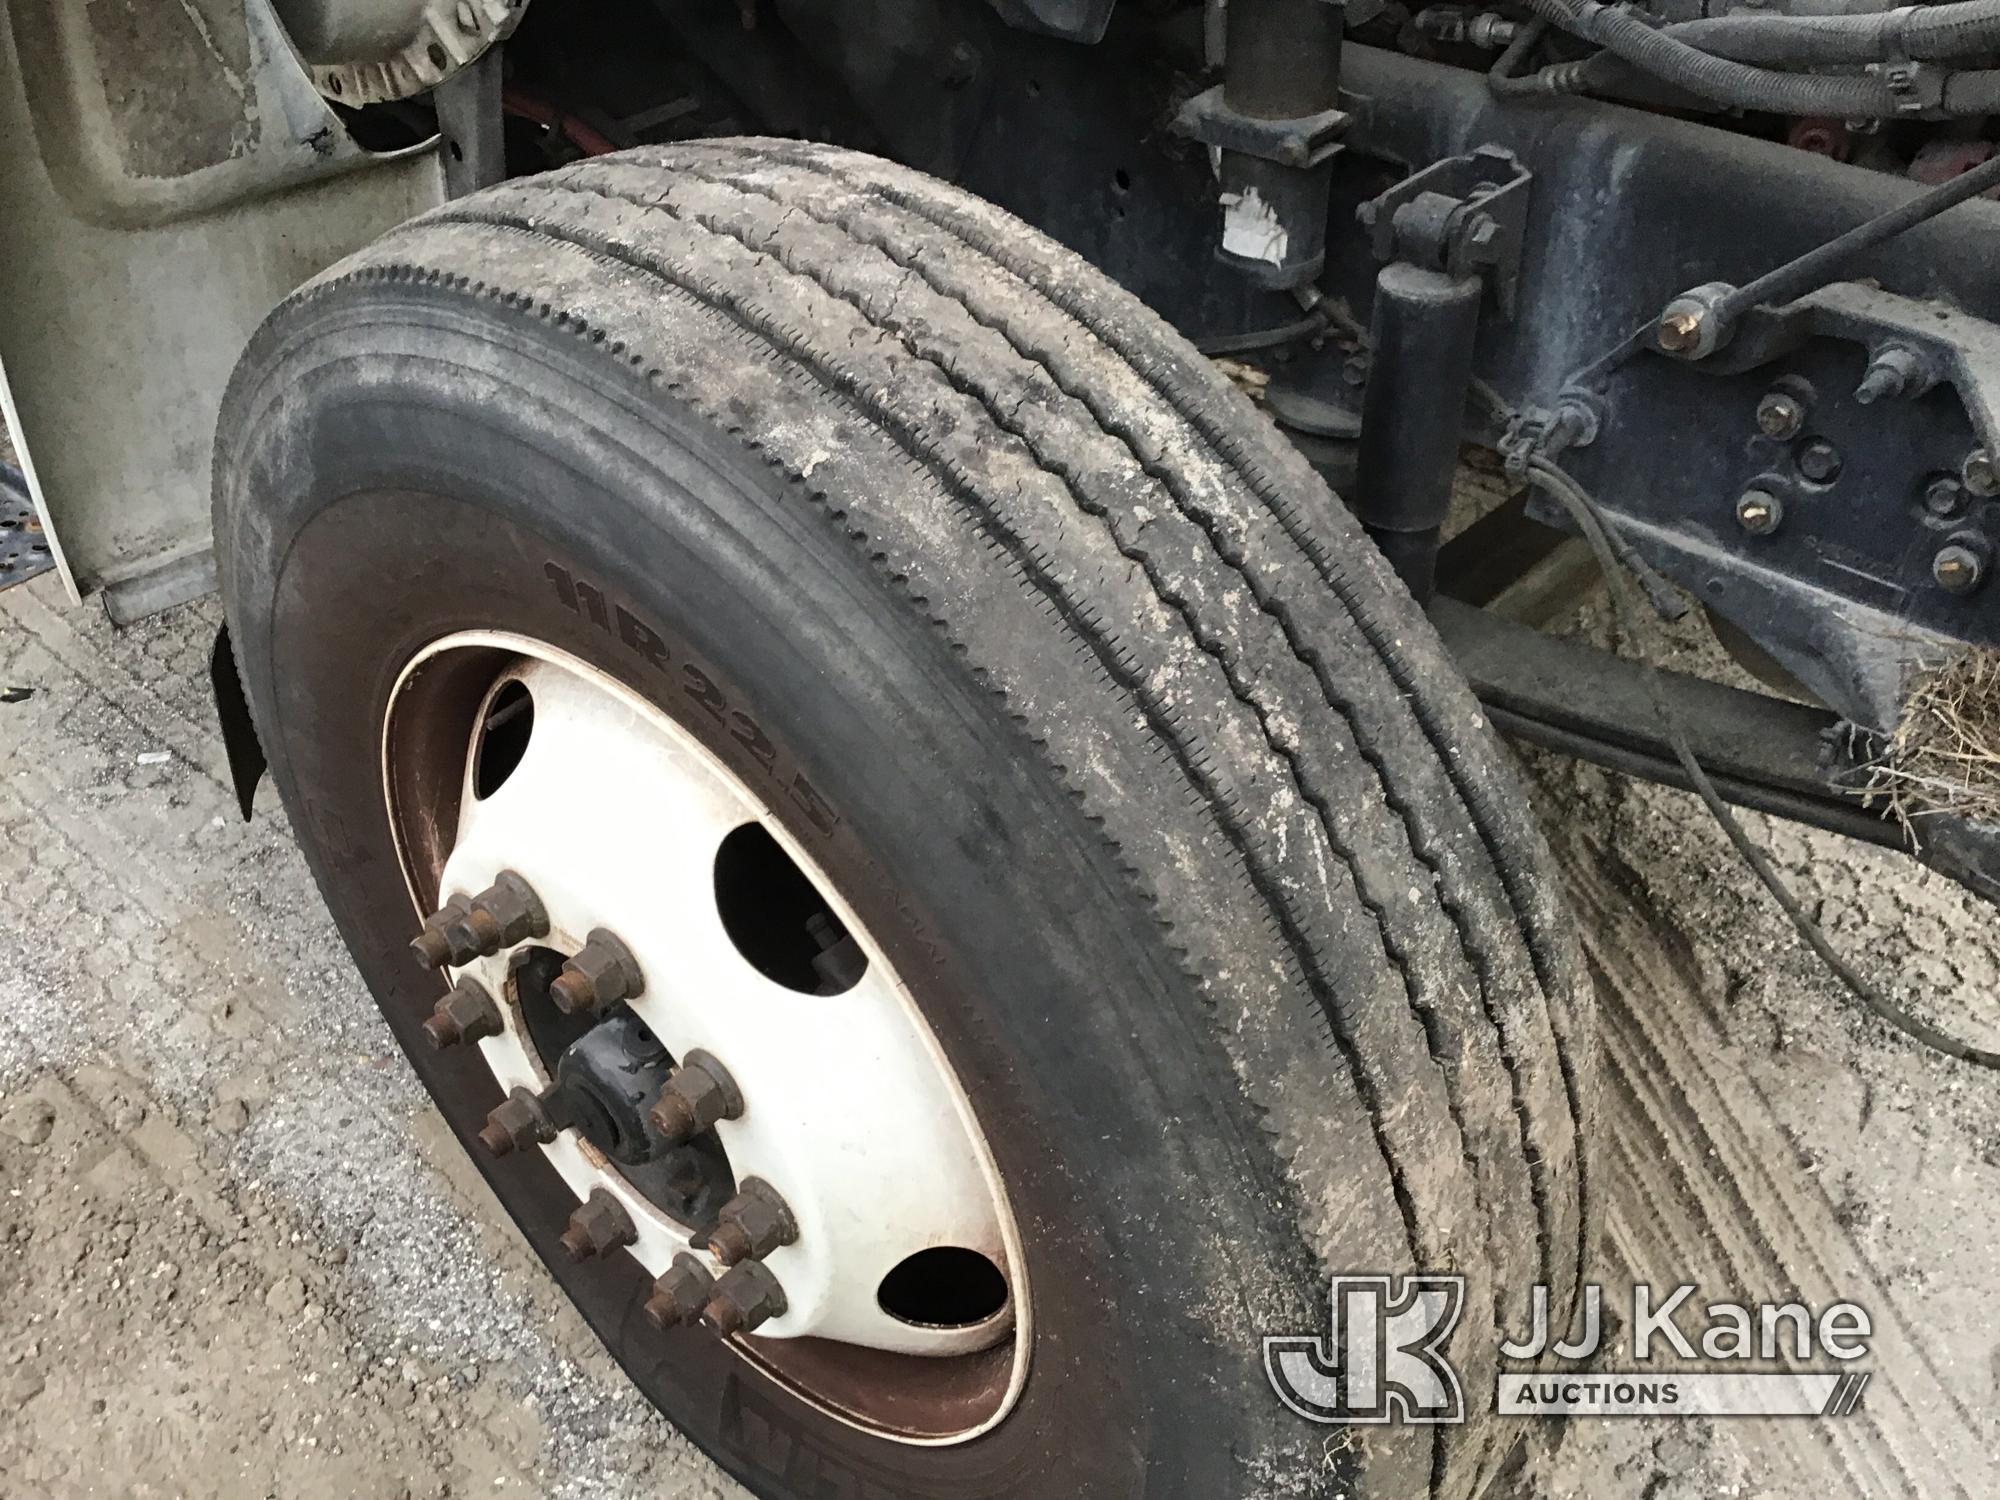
<point>614,814</point>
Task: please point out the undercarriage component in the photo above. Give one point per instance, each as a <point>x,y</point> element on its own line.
<point>1275,121</point>
<point>1763,753</point>
<point>373,51</point>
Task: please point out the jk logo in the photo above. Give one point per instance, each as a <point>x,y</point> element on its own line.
<point>1381,1359</point>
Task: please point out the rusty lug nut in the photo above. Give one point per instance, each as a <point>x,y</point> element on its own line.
<point>752,1224</point>
<point>467,1014</point>
<point>698,1093</point>
<point>431,946</point>
<point>602,973</point>
<point>680,1293</point>
<point>517,1123</point>
<point>744,1300</point>
<point>1780,415</point>
<point>599,1225</point>
<point>1759,512</point>
<point>505,913</point>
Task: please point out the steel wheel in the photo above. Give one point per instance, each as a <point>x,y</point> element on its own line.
<point>879,1221</point>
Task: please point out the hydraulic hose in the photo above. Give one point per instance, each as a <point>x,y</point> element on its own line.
<point>1700,73</point>
<point>1631,46</point>
<point>1923,33</point>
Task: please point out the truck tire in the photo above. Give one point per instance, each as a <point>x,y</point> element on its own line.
<point>1031,638</point>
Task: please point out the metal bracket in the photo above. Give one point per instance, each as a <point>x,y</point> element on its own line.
<point>1302,142</point>
<point>24,547</point>
<point>1464,215</point>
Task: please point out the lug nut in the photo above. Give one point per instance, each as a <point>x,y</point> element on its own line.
<point>1958,568</point>
<point>698,1093</point>
<point>431,946</point>
<point>1819,461</point>
<point>466,1014</point>
<point>1759,512</point>
<point>505,913</point>
<point>1944,497</point>
<point>1981,474</point>
<point>602,974</point>
<point>1780,415</point>
<point>752,1224</point>
<point>599,1225</point>
<point>744,1300</point>
<point>680,1293</point>
<point>517,1123</point>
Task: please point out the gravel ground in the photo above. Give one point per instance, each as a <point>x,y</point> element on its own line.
<point>244,1258</point>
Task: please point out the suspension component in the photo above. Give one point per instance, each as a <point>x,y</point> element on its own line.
<point>602,973</point>
<point>680,1293</point>
<point>744,1300</point>
<point>698,1093</point>
<point>752,1224</point>
<point>519,1121</point>
<point>467,1014</point>
<point>599,1225</point>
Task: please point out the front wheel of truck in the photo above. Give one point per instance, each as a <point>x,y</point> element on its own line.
<point>943,881</point>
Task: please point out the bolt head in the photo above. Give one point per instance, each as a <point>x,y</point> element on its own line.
<point>1958,569</point>
<point>680,1293</point>
<point>598,1225</point>
<point>1944,497</point>
<point>1981,474</point>
<point>744,1300</point>
<point>516,1123</point>
<point>467,1014</point>
<point>1759,512</point>
<point>1679,329</point>
<point>752,1224</point>
<point>1819,461</point>
<point>1780,415</point>
<point>601,974</point>
<point>699,1093</point>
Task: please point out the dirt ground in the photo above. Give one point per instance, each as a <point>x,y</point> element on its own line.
<point>239,1257</point>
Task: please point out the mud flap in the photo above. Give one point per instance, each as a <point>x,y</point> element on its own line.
<point>239,735</point>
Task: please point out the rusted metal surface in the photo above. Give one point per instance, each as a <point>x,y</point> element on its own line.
<point>599,1225</point>
<point>517,1122</point>
<point>680,1293</point>
<point>744,1300</point>
<point>752,1224</point>
<point>699,1093</point>
<point>466,1014</point>
<point>602,973</point>
<point>24,548</point>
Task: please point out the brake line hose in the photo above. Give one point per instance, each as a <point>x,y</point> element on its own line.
<point>1631,45</point>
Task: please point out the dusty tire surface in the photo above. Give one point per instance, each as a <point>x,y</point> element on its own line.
<point>1208,873</point>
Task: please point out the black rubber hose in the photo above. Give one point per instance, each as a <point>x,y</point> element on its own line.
<point>1972,93</point>
<point>1737,84</point>
<point>1927,33</point>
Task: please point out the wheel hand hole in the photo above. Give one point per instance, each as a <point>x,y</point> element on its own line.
<point>503,739</point>
<point>943,1287</point>
<point>784,928</point>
